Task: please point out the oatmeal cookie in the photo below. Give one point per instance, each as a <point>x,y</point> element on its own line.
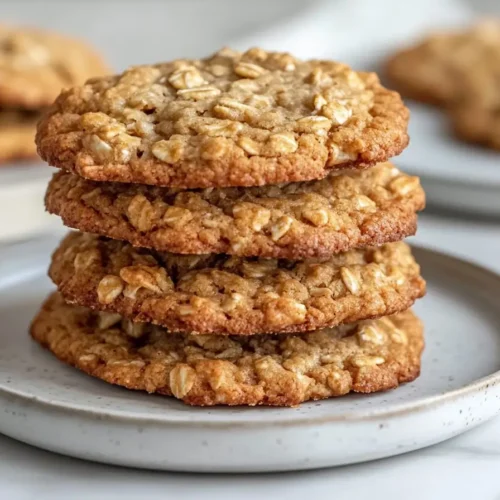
<point>35,65</point>
<point>460,71</point>
<point>17,134</point>
<point>451,67</point>
<point>204,370</point>
<point>235,295</point>
<point>478,125</point>
<point>293,221</point>
<point>476,117</point>
<point>232,119</point>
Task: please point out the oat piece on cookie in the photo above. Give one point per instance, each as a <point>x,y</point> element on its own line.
<point>279,370</point>
<point>293,221</point>
<point>235,295</point>
<point>233,119</point>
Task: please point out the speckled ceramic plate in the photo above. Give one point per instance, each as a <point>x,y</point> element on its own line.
<point>455,174</point>
<point>50,405</point>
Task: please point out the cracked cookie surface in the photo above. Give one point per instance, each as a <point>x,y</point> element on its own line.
<point>235,295</point>
<point>294,221</point>
<point>232,119</point>
<point>279,370</point>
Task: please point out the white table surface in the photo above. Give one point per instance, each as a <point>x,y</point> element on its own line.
<point>465,467</point>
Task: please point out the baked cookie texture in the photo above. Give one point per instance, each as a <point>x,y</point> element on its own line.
<point>460,71</point>
<point>281,370</point>
<point>35,65</point>
<point>235,248</point>
<point>233,119</point>
<point>294,221</point>
<point>235,295</point>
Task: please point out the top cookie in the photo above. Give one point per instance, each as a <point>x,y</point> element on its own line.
<point>230,120</point>
<point>35,65</point>
<point>452,67</point>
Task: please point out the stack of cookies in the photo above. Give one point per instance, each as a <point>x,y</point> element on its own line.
<point>34,66</point>
<point>240,231</point>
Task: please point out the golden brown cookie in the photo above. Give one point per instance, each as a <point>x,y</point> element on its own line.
<point>477,124</point>
<point>232,119</point>
<point>425,72</point>
<point>17,134</point>
<point>35,65</point>
<point>459,70</point>
<point>280,370</point>
<point>450,67</point>
<point>234,295</point>
<point>294,221</point>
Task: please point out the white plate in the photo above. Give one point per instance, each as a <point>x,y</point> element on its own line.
<point>47,404</point>
<point>22,211</point>
<point>454,174</point>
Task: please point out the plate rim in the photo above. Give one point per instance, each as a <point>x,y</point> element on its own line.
<point>455,180</point>
<point>395,410</point>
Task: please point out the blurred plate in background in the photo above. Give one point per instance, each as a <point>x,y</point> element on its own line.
<point>22,211</point>
<point>455,175</point>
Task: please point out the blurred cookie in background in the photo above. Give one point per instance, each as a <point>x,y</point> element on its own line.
<point>17,129</point>
<point>460,72</point>
<point>34,66</point>
<point>479,124</point>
